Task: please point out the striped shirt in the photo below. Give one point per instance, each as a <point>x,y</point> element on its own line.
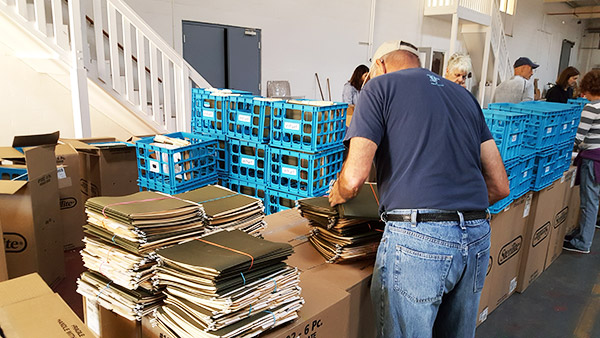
<point>588,132</point>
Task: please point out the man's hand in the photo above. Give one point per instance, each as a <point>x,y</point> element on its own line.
<point>334,195</point>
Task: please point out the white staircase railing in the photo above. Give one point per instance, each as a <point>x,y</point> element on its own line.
<point>121,54</point>
<point>498,40</point>
<point>451,6</point>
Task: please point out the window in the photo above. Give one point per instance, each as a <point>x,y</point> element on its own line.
<point>508,6</point>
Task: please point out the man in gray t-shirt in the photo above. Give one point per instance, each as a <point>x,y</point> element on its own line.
<point>517,88</point>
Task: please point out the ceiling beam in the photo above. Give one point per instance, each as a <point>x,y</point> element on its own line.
<point>587,12</point>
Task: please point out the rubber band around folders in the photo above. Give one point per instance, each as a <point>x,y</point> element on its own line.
<point>274,282</point>
<point>230,249</point>
<point>274,319</point>
<point>99,293</point>
<point>219,198</point>
<point>243,278</point>
<point>374,194</point>
<point>137,201</point>
<point>250,311</point>
<point>113,239</point>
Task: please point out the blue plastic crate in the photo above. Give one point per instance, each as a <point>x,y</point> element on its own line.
<point>13,174</point>
<point>304,125</point>
<point>222,151</point>
<point>512,173</point>
<point>546,169</point>
<point>303,174</point>
<point>542,124</point>
<point>580,101</point>
<point>508,129</point>
<point>249,188</point>
<point>564,157</point>
<point>173,169</point>
<point>279,200</point>
<point>524,176</point>
<point>570,117</point>
<point>173,191</point>
<point>210,108</point>
<point>248,161</point>
<point>249,118</point>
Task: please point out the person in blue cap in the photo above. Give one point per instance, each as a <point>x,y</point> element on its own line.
<point>517,88</point>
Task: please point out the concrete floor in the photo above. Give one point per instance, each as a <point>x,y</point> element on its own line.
<point>563,302</point>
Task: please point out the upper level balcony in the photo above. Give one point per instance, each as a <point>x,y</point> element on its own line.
<point>476,11</point>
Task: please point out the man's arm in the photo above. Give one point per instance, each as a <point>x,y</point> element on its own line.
<point>355,170</point>
<point>493,172</point>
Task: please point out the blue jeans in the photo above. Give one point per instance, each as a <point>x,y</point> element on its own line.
<point>589,193</point>
<point>428,277</point>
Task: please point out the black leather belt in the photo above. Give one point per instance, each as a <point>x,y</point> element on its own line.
<point>438,216</point>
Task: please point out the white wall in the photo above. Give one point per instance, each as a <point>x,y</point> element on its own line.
<point>539,37</point>
<point>301,38</point>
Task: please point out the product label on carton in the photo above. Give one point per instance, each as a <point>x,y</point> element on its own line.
<point>527,206</point>
<point>483,315</point>
<point>92,318</point>
<point>208,113</point>
<point>14,242</point>
<point>245,118</point>
<point>60,171</point>
<point>289,171</point>
<point>73,331</point>
<point>67,203</point>
<point>44,180</point>
<point>561,216</point>
<point>291,126</point>
<point>248,161</point>
<point>513,285</point>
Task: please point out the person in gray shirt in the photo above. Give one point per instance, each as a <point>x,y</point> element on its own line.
<point>517,88</point>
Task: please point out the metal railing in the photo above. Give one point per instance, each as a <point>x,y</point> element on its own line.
<point>480,6</point>
<point>120,53</point>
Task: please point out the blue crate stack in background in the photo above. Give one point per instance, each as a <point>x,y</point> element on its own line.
<point>535,140</point>
<point>272,149</point>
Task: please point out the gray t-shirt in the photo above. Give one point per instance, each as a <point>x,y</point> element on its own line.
<point>516,89</point>
<point>429,132</point>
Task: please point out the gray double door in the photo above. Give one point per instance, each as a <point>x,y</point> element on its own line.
<point>226,56</point>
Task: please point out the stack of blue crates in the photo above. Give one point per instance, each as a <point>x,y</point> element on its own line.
<point>272,149</point>
<point>175,169</point>
<point>547,131</point>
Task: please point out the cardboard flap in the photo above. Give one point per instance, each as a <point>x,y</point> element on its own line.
<point>35,140</point>
<point>9,153</point>
<point>11,187</point>
<point>40,160</point>
<point>21,288</point>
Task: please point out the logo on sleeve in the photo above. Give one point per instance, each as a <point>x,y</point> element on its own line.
<point>434,80</point>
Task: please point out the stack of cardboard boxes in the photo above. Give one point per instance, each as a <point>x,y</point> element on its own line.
<point>527,237</point>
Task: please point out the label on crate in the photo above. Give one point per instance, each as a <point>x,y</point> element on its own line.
<point>208,113</point>
<point>289,171</point>
<point>548,130</point>
<point>565,126</point>
<point>514,138</point>
<point>291,126</point>
<point>248,161</point>
<point>525,173</point>
<point>546,169</point>
<point>245,118</point>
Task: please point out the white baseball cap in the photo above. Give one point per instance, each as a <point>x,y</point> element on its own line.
<point>392,46</point>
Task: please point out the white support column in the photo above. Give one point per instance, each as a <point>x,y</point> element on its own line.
<point>79,89</point>
<point>453,35</point>
<point>484,66</point>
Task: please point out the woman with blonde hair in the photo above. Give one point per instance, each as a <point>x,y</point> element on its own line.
<point>458,68</point>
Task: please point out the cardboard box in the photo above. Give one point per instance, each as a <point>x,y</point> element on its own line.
<point>151,331</point>
<point>107,324</point>
<point>537,234</point>
<point>508,230</point>
<point>30,216</point>
<point>3,270</point>
<point>72,211</point>
<point>561,213</point>
<point>107,167</point>
<point>353,278</point>
<point>29,308</point>
<point>325,313</point>
<point>484,301</point>
<point>573,204</point>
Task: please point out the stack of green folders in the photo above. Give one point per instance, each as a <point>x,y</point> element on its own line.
<point>348,231</point>
<point>228,210</point>
<point>226,284</point>
<point>123,232</point>
<point>131,304</point>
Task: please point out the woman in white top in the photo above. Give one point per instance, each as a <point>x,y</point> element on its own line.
<point>352,87</point>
